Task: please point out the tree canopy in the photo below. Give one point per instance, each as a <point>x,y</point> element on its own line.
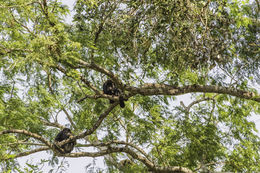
<point>156,52</point>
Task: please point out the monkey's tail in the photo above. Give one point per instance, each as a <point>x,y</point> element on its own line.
<point>121,101</point>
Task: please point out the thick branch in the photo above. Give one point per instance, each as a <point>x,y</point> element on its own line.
<point>145,161</point>
<point>162,89</point>
<point>110,97</point>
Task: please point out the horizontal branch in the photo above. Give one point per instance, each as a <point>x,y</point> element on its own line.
<point>149,164</point>
<point>26,153</point>
<point>88,96</point>
<point>25,132</point>
<point>99,144</point>
<point>110,97</point>
<point>26,143</point>
<point>110,150</point>
<point>163,89</point>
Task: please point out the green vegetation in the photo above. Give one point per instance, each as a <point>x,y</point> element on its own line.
<point>158,53</point>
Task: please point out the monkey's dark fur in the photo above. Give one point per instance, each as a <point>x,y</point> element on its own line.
<point>110,88</point>
<point>63,135</point>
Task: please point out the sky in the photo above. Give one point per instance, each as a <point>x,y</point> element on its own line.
<point>78,164</point>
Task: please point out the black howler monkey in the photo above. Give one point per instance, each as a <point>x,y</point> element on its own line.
<point>63,135</point>
<point>110,88</point>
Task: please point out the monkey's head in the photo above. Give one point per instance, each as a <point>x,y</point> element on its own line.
<point>67,131</point>
<point>110,85</point>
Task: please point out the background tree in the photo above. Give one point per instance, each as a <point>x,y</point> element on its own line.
<point>153,51</point>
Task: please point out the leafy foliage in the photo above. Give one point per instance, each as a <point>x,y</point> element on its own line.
<point>52,72</point>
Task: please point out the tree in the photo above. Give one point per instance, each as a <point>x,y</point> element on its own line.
<point>155,51</point>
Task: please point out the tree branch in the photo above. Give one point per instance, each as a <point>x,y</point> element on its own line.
<point>24,26</point>
<point>69,118</point>
<point>117,143</point>
<point>34,135</point>
<point>25,143</point>
<point>163,89</point>
<point>100,69</point>
<point>85,81</point>
<point>27,153</point>
<point>99,121</point>
<point>187,108</point>
<point>149,89</point>
<point>149,164</point>
<point>52,124</point>
<point>95,126</point>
